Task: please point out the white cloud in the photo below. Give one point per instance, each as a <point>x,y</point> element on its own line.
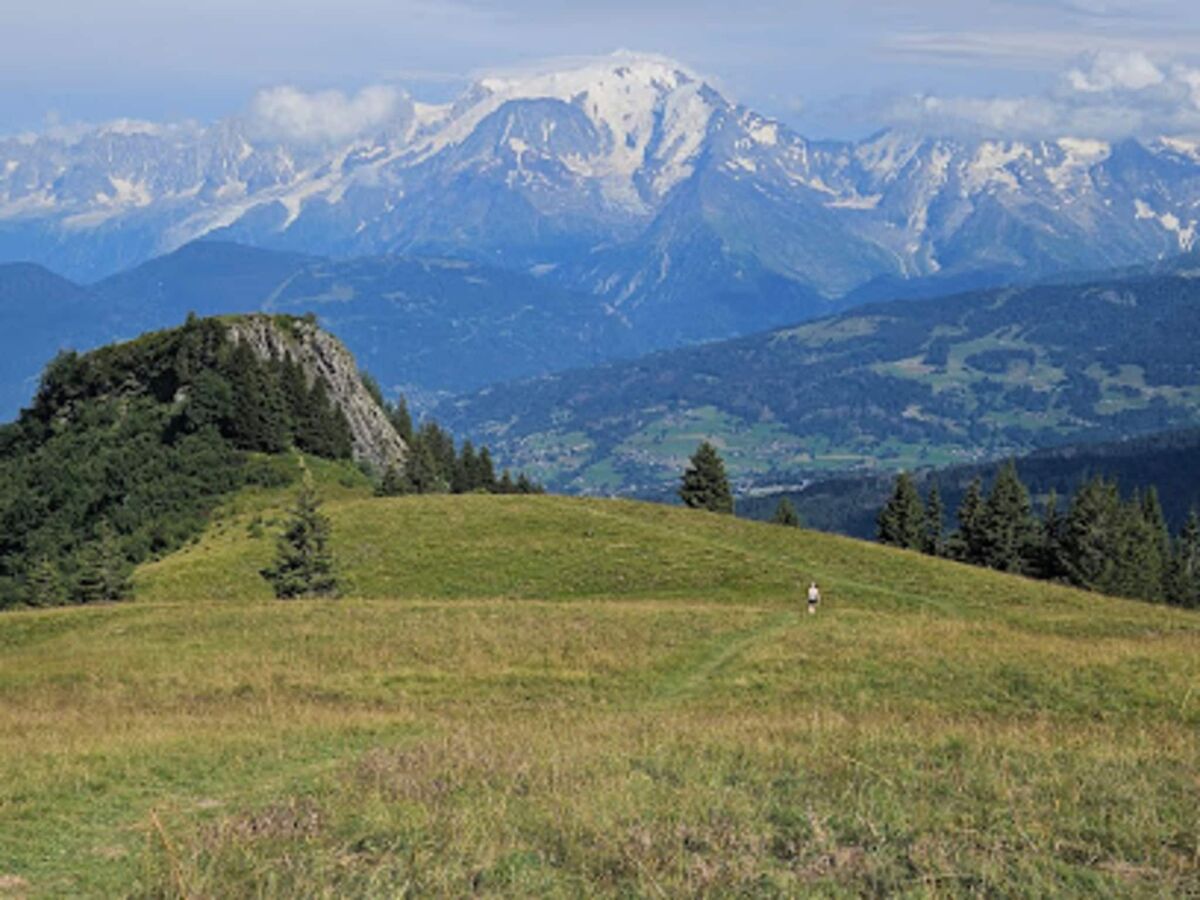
<point>325,116</point>
<point>1112,71</point>
<point>1190,78</point>
<point>1107,94</point>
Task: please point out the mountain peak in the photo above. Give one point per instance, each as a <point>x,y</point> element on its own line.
<point>565,77</point>
<point>650,113</point>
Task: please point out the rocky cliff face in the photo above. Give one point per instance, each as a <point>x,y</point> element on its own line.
<point>323,356</point>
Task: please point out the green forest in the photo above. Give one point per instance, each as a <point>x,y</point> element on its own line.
<point>1097,539</point>
<point>125,451</point>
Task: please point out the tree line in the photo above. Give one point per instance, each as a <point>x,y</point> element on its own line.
<point>1097,539</point>
<point>436,466</point>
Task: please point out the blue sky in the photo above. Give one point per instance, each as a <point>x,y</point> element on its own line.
<point>831,69</point>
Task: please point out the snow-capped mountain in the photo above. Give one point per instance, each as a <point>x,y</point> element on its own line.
<point>630,178</point>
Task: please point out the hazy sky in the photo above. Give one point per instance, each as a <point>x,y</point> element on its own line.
<point>830,68</point>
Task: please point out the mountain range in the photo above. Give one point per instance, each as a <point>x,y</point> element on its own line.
<point>628,179</point>
<point>426,327</point>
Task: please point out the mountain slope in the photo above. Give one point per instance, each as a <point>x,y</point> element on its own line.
<point>629,178</point>
<point>40,314</point>
<point>912,383</point>
<point>426,326</point>
<point>586,697</point>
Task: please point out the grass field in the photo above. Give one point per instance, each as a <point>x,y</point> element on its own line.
<point>539,696</point>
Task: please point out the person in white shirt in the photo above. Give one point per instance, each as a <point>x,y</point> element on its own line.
<point>814,597</point>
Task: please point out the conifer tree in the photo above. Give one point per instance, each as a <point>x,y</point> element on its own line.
<point>293,386</point>
<point>209,402</point>
<point>1091,536</point>
<point>422,470</point>
<point>1183,581</point>
<point>437,457</point>
<point>1049,557</point>
<point>901,522</point>
<point>394,484</point>
<point>968,542</point>
<point>321,427</point>
<point>705,485</point>
<point>303,564</point>
<point>103,569</point>
<point>466,470</point>
<point>402,419</point>
<point>935,526</point>
<point>525,486</point>
<point>1008,530</point>
<point>785,514</point>
<point>260,418</point>
<point>1140,566</point>
<point>1152,512</point>
<point>45,584</point>
<point>505,485</point>
<point>485,470</point>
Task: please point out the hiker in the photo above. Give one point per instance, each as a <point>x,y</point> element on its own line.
<point>814,597</point>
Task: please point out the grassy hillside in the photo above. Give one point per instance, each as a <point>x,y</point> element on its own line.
<point>556,697</point>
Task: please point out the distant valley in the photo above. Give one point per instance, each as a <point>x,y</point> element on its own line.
<point>909,384</point>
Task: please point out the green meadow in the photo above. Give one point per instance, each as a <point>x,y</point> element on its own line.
<point>555,697</point>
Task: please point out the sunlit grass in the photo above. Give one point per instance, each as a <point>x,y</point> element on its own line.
<point>544,696</point>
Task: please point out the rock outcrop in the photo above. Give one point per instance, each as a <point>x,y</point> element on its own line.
<point>322,356</point>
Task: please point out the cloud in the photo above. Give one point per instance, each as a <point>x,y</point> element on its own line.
<point>1036,49</point>
<point>288,113</point>
<point>1112,71</point>
<point>1106,94</point>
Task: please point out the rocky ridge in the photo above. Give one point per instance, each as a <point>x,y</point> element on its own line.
<point>322,356</point>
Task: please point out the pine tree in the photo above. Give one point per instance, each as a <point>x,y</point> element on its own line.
<point>486,470</point>
<point>45,584</point>
<point>303,564</point>
<point>321,427</point>
<point>785,514</point>
<point>209,402</point>
<point>422,470</point>
<point>293,387</point>
<point>1159,545</point>
<point>1008,530</point>
<point>260,417</point>
<point>705,485</point>
<point>402,419</point>
<point>934,543</point>
<point>438,458</point>
<point>967,544</point>
<point>466,470</point>
<point>394,484</point>
<point>1152,512</point>
<point>1049,557</point>
<point>1183,581</point>
<point>1091,536</point>
<point>505,485</point>
<point>901,522</point>
<point>1141,568</point>
<point>103,569</point>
